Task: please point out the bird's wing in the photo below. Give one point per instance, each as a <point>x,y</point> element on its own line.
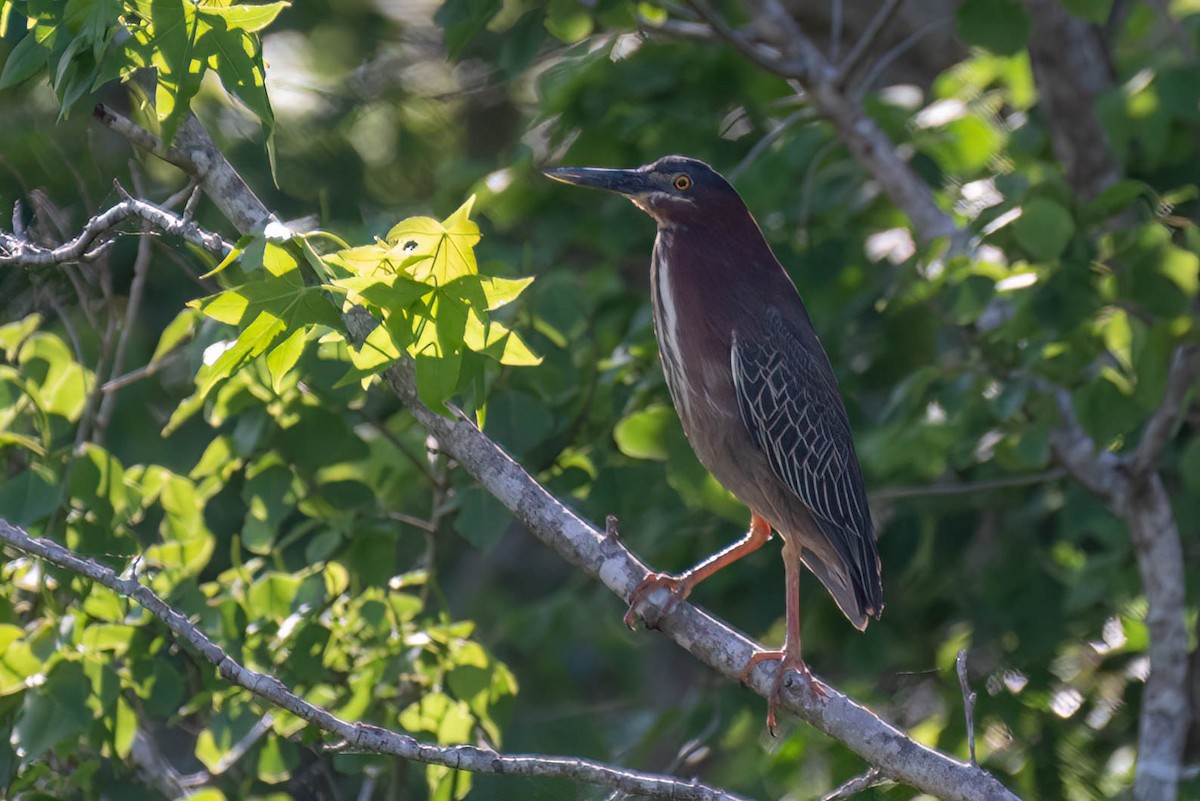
<point>789,401</point>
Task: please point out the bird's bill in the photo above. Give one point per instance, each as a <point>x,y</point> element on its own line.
<point>624,182</point>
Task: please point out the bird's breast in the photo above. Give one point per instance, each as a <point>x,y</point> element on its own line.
<point>693,347</point>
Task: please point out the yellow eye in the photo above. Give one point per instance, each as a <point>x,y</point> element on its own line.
<point>683,183</point>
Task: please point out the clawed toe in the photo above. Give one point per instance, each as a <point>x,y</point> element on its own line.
<point>677,589</point>
<point>788,663</point>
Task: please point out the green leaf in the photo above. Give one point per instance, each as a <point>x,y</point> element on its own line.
<point>53,712</point>
<point>62,384</point>
<point>1001,26</point>
<point>98,483</point>
<point>250,344</point>
<point>239,248</point>
<point>283,358</point>
<point>271,596</point>
<point>1044,229</point>
<point>276,760</point>
<point>269,498</point>
<point>463,20</point>
<point>481,519</point>
<point>29,497</point>
<point>176,332</point>
<point>501,291</point>
<point>12,335</point>
<point>389,292</point>
<point>440,252</point>
<point>17,663</point>
<point>245,17</point>
<point>643,434</point>
<point>278,261</point>
<point>437,379</point>
<point>23,62</point>
<point>568,20</point>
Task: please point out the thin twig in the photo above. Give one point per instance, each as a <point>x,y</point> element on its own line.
<point>232,756</point>
<point>1185,368</point>
<point>363,737</point>
<point>968,696</point>
<point>858,784</point>
<point>836,15</point>
<point>762,144</point>
<point>853,59</point>
<point>122,381</point>
<point>899,49</point>
<point>969,487</point>
<point>766,58</point>
<point>137,288</point>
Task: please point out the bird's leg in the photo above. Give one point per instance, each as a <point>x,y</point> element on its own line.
<point>789,656</point>
<point>681,586</point>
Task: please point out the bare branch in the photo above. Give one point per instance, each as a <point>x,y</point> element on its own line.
<point>18,252</point>
<point>122,381</point>
<point>1071,69</point>
<point>195,154</point>
<point>968,696</point>
<point>1164,717</point>
<point>143,139</point>
<point>967,487</point>
<point>857,54</point>
<point>853,787</point>
<point>1185,368</point>
<point>800,59</point>
<point>764,57</point>
<point>766,141</point>
<point>358,736</point>
<point>137,288</point>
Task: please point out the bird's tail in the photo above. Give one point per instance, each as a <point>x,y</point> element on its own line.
<point>859,597</point>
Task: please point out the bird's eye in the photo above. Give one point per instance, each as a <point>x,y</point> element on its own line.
<point>682,183</point>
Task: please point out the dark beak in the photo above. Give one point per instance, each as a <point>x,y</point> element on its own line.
<point>623,182</point>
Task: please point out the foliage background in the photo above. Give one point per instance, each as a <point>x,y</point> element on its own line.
<point>316,535</point>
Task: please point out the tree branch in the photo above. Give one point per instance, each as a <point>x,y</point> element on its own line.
<point>358,736</point>
<point>1143,503</point>
<point>967,487</point>
<point>800,59</point>
<point>1185,368</point>
<point>16,251</point>
<point>1071,69</point>
<point>854,59</point>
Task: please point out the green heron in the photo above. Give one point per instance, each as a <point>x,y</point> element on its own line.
<point>755,393</point>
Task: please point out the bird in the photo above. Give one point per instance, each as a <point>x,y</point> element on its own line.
<point>756,395</point>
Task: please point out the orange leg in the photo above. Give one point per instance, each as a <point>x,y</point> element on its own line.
<point>789,656</point>
<point>680,587</point>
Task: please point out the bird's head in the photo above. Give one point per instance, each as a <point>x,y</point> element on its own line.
<point>674,190</point>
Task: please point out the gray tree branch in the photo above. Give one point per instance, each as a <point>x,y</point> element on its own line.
<point>1071,70</point>
<point>1184,371</point>
<point>1141,500</point>
<point>357,736</point>
<point>16,251</point>
<point>801,60</point>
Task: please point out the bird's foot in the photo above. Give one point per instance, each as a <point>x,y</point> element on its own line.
<point>678,587</point>
<point>788,662</point>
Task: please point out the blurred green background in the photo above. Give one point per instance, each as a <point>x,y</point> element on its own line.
<point>389,109</point>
